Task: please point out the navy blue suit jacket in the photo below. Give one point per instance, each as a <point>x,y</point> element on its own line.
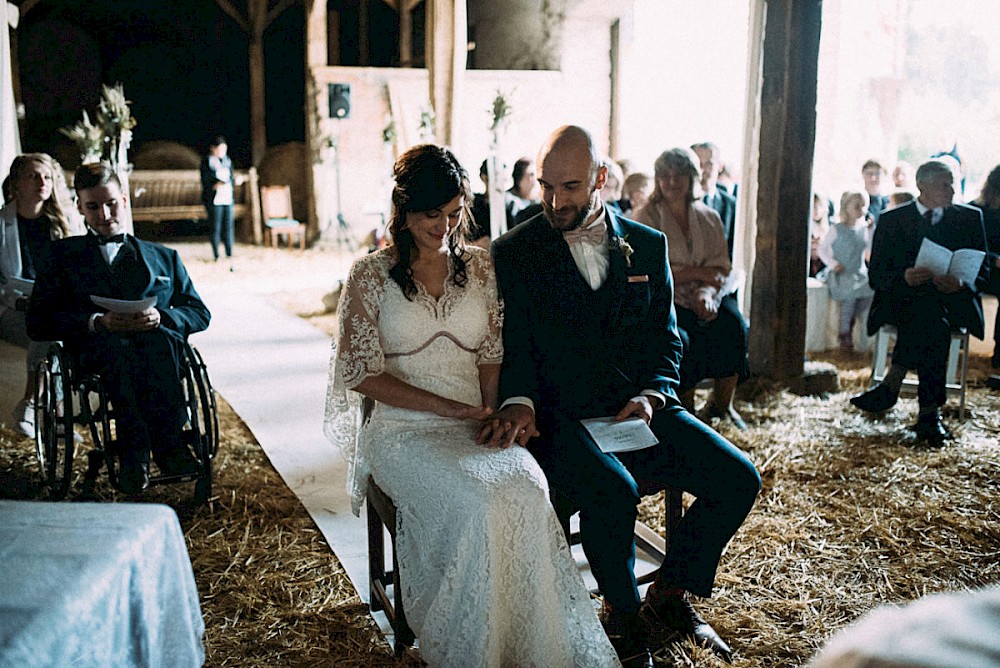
<point>570,364</point>
<point>725,205</point>
<point>61,307</point>
<point>897,240</point>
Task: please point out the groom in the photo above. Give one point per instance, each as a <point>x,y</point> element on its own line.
<point>590,331</point>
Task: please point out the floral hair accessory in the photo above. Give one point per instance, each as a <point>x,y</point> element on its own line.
<point>621,245</point>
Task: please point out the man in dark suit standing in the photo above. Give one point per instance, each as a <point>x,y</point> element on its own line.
<point>590,331</point>
<point>715,197</point>
<point>924,307</point>
<point>136,354</point>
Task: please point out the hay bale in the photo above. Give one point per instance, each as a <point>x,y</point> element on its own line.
<point>165,155</point>
<point>817,379</point>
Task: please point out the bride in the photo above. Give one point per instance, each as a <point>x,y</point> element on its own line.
<point>487,576</point>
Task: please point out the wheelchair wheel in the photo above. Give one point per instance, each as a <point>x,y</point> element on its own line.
<point>203,420</point>
<point>53,424</point>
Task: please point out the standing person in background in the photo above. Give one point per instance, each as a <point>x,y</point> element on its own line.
<point>845,250</point>
<point>31,220</point>
<point>218,194</point>
<point>873,172</point>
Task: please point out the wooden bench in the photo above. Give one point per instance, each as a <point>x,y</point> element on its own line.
<point>175,194</point>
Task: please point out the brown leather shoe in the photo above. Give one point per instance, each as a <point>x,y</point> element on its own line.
<point>675,613</point>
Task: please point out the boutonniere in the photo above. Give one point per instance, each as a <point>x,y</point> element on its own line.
<point>621,245</point>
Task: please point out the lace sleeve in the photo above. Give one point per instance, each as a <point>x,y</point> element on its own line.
<point>491,349</point>
<point>355,354</point>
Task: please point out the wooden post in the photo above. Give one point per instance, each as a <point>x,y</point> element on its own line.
<point>784,198</point>
<point>446,53</point>
<point>405,36</point>
<point>254,24</point>
<point>258,121</point>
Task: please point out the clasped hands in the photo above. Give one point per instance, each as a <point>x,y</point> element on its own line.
<point>944,283</point>
<point>515,423</point>
<point>123,323</point>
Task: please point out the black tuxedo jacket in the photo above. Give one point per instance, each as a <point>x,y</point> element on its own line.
<point>725,205</point>
<point>61,307</point>
<point>571,363</point>
<point>897,240</point>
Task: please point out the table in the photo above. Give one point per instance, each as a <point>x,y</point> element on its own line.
<point>96,584</point>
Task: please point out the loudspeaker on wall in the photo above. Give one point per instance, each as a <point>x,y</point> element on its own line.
<point>340,100</point>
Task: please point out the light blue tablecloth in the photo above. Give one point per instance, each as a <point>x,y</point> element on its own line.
<point>88,584</point>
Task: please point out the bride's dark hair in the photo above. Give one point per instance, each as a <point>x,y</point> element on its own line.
<point>427,177</point>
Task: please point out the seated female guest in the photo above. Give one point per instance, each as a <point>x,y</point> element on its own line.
<point>487,576</point>
<point>31,220</point>
<point>709,320</point>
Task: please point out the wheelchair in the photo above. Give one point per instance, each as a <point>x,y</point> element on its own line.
<point>65,396</point>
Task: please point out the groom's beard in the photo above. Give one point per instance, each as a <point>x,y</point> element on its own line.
<point>569,218</point>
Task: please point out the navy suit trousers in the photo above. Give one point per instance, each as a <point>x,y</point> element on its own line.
<point>605,489</point>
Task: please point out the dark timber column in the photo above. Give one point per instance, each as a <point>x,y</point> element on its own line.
<point>784,197</point>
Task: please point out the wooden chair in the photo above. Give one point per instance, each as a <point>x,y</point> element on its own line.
<point>382,518</point>
<point>646,540</point>
<point>956,376</point>
<point>276,206</point>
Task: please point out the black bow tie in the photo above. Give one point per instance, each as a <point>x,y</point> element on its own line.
<point>114,239</point>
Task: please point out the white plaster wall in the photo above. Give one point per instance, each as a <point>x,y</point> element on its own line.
<point>541,100</point>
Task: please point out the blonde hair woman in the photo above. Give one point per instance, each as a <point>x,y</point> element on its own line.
<point>32,218</point>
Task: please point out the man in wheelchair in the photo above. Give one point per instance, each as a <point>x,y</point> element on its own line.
<point>136,349</point>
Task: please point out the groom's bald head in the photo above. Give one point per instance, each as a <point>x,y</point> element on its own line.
<point>570,174</point>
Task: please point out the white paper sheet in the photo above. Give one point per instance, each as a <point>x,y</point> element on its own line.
<point>123,305</point>
<point>611,436</point>
<point>963,263</point>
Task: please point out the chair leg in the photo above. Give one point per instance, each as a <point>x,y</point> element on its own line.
<point>376,558</point>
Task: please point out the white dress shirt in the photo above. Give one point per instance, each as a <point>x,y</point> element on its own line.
<point>592,258</point>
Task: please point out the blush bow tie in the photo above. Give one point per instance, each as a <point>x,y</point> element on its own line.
<point>595,234</point>
<point>114,239</point>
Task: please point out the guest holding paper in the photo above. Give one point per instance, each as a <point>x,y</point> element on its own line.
<point>135,348</point>
<point>593,334</point>
<point>31,220</point>
<point>924,306</point>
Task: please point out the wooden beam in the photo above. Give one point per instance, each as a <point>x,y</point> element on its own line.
<point>405,38</point>
<point>364,57</point>
<point>784,198</point>
<point>410,5</point>
<point>392,3</point>
<point>26,6</point>
<point>277,10</point>
<point>234,14</point>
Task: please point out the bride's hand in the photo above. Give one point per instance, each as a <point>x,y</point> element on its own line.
<point>460,411</point>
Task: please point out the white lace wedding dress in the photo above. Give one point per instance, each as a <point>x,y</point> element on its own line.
<point>487,576</point>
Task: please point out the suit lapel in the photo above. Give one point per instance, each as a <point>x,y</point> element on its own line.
<point>616,276</point>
